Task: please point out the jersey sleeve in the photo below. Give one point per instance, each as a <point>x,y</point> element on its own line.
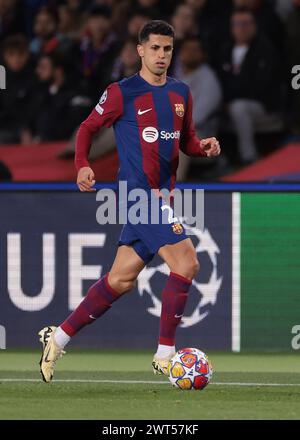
<point>190,143</point>
<point>106,112</point>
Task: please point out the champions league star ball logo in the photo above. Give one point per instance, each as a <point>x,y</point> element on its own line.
<point>103,98</point>
<point>203,295</point>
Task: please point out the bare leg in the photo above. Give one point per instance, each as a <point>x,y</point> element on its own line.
<point>125,269</point>
<point>181,258</point>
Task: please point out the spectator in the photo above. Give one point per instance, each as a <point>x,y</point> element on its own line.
<point>19,84</point>
<point>267,20</point>
<point>206,92</point>
<point>128,62</point>
<point>211,23</point>
<point>136,22</point>
<point>29,11</point>
<point>11,21</point>
<point>183,21</point>
<point>54,113</point>
<point>69,23</point>
<point>204,85</point>
<point>250,76</point>
<point>47,39</point>
<point>99,48</point>
<point>121,11</point>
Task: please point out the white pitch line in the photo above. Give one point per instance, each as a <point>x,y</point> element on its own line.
<point>87,381</point>
<point>253,384</point>
<point>159,382</point>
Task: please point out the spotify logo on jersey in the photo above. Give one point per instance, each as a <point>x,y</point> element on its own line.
<point>150,134</point>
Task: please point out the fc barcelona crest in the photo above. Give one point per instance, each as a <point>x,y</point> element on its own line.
<point>177,228</point>
<point>179,109</point>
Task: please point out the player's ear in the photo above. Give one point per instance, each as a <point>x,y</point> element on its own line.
<point>140,50</point>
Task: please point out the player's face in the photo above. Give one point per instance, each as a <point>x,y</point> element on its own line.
<point>156,53</point>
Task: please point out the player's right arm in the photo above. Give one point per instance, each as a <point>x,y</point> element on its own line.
<point>106,112</point>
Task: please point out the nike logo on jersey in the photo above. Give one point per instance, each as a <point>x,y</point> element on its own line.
<point>141,112</point>
<point>92,317</point>
<point>178,316</point>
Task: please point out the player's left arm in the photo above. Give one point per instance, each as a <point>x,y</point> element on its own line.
<point>190,144</point>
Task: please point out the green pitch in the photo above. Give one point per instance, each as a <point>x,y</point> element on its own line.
<point>120,385</point>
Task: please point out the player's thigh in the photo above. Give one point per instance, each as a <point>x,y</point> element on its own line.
<point>126,266</point>
<point>181,258</point>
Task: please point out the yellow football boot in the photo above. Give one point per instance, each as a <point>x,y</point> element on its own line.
<point>161,366</point>
<point>51,352</point>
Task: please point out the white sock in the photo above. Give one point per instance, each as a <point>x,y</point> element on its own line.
<point>61,338</point>
<point>164,351</point>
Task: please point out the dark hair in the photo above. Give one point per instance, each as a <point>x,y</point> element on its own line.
<point>48,11</point>
<point>130,40</point>
<point>16,43</point>
<point>156,27</point>
<point>243,10</point>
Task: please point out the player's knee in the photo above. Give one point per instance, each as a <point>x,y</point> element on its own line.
<point>128,285</point>
<point>188,268</point>
<point>194,267</point>
<point>191,266</point>
<point>121,284</point>
<point>125,287</point>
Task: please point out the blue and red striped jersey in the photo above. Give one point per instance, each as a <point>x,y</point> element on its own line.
<point>151,123</point>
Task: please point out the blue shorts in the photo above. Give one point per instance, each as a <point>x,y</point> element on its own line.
<point>146,239</point>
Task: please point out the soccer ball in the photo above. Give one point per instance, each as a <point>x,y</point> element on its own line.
<point>190,369</point>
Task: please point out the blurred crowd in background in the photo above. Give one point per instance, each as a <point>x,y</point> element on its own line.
<point>236,56</point>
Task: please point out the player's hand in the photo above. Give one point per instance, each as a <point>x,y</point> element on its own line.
<point>85,179</point>
<point>211,146</point>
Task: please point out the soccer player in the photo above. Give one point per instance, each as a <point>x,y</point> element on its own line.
<point>152,118</point>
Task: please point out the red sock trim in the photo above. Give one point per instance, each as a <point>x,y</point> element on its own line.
<point>65,326</point>
<point>166,341</point>
<point>112,291</point>
<point>180,277</point>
